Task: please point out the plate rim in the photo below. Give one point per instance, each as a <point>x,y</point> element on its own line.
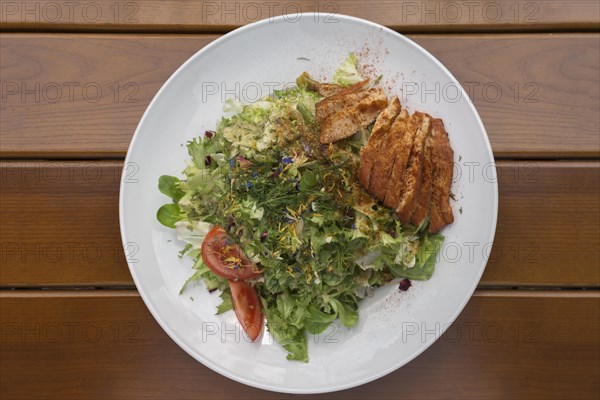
<point>196,355</point>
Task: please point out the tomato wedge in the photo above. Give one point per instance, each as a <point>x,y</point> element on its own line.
<point>247,307</point>
<point>225,258</point>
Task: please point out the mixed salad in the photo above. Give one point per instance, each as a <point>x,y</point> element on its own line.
<point>278,225</point>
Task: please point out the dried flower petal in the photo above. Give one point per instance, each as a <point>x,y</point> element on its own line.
<point>404,284</point>
<point>263,236</point>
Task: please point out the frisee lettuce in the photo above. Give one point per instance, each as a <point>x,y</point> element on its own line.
<point>348,74</point>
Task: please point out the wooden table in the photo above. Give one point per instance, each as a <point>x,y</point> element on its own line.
<point>76,78</point>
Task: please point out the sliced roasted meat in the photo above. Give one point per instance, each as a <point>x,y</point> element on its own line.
<point>442,158</point>
<point>349,120</point>
<point>424,196</point>
<point>326,89</point>
<point>407,163</point>
<point>384,159</point>
<point>370,151</point>
<point>400,162</point>
<point>342,100</point>
<point>414,170</point>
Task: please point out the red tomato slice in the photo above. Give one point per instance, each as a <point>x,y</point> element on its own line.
<point>247,307</point>
<point>225,258</point>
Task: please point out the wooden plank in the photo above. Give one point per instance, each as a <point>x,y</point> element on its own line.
<point>548,230</point>
<point>60,225</point>
<point>527,88</point>
<point>108,80</point>
<point>538,94</point>
<point>105,344</point>
<point>221,16</point>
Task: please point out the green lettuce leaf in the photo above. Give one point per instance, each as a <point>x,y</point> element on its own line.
<point>347,313</point>
<point>226,303</point>
<point>169,185</point>
<point>348,74</point>
<point>318,321</point>
<point>425,262</point>
<point>290,337</point>
<point>169,214</point>
<point>211,281</point>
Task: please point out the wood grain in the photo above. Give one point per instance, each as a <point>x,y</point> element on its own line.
<point>83,95</point>
<point>60,225</point>
<point>113,78</point>
<point>548,225</point>
<point>221,16</point>
<point>105,344</point>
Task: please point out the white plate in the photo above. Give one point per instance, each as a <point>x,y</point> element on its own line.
<point>394,327</point>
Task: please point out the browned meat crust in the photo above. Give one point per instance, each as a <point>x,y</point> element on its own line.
<point>424,195</point>
<point>400,163</point>
<point>442,158</point>
<point>412,175</point>
<point>384,159</point>
<point>346,122</point>
<point>331,89</point>
<point>326,89</point>
<point>341,100</point>
<point>378,133</point>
